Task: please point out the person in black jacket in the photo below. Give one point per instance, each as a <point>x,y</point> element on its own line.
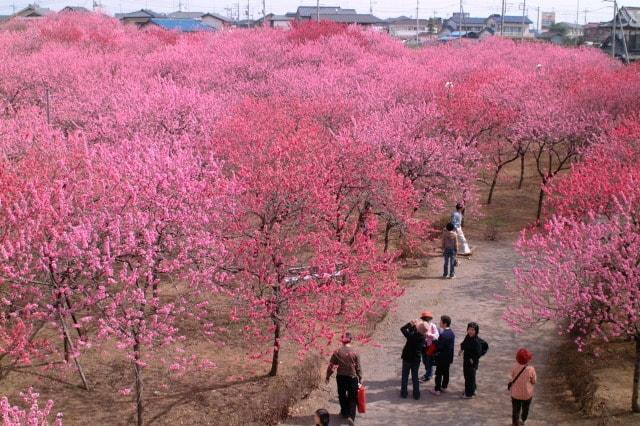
<point>414,332</point>
<point>444,355</point>
<point>471,349</point>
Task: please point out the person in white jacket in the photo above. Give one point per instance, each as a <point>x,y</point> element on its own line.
<point>431,335</point>
<point>456,220</point>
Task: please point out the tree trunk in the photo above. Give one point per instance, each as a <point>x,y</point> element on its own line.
<point>76,325</point>
<point>276,351</point>
<point>635,398</point>
<point>522,156</point>
<point>493,184</point>
<point>139,383</point>
<point>69,346</point>
<point>387,229</point>
<point>540,201</point>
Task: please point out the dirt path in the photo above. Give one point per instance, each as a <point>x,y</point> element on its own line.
<point>469,297</point>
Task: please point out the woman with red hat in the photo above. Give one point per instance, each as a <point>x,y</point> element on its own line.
<point>523,380</point>
<point>431,335</point>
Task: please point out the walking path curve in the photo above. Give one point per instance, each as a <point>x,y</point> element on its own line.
<point>472,296</point>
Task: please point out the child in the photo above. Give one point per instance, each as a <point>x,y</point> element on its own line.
<point>321,417</point>
<point>473,348</point>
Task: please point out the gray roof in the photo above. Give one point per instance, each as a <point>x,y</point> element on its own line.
<point>514,19</point>
<point>403,20</point>
<point>74,9</point>
<point>34,10</point>
<point>630,16</point>
<point>468,20</point>
<point>309,11</point>
<point>218,16</point>
<point>142,13</point>
<point>351,18</point>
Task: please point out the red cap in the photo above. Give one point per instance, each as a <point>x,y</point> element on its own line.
<point>426,314</point>
<point>523,356</point>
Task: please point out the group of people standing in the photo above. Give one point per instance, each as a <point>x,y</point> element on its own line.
<point>435,346</point>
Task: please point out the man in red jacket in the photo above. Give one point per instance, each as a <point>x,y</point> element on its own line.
<point>349,375</point>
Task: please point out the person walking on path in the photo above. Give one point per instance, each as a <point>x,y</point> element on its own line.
<point>472,348</point>
<point>456,219</point>
<point>415,332</point>
<point>349,375</point>
<point>523,380</point>
<point>431,336</point>
<point>444,355</point>
<point>449,251</point>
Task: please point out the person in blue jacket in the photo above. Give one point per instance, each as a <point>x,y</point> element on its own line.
<point>444,355</point>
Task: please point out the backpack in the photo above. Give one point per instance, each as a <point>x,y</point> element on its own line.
<point>484,347</point>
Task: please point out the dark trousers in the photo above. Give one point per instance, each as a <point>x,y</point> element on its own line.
<point>429,362</point>
<point>519,405</point>
<point>469,379</point>
<point>442,375</point>
<point>348,395</point>
<point>413,368</point>
<point>449,262</point>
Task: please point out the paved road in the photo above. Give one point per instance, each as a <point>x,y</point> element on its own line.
<point>472,296</point>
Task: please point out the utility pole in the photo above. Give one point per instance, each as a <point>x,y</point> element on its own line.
<point>624,40</point>
<point>613,29</point>
<point>317,10</point>
<point>524,12</point>
<point>417,21</point>
<point>179,5</point>
<point>461,20</point>
<point>578,12</point>
<point>371,7</point>
<point>504,11</point>
<point>538,19</point>
<point>264,13</point>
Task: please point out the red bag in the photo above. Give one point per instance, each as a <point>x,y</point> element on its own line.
<point>432,349</point>
<point>362,399</point>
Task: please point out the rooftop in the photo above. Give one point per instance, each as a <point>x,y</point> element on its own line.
<point>309,11</point>
<point>184,25</point>
<point>142,13</point>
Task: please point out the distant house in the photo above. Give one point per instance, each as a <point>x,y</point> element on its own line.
<point>74,9</point>
<point>475,35</point>
<point>212,19</point>
<point>514,26</point>
<point>4,18</point>
<point>594,33</point>
<point>406,28</point>
<point>627,40</point>
<point>182,25</point>
<point>140,17</point>
<point>282,22</point>
<point>336,14</point>
<point>245,23</point>
<point>33,11</point>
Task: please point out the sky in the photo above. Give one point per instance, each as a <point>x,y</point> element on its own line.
<point>596,10</point>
